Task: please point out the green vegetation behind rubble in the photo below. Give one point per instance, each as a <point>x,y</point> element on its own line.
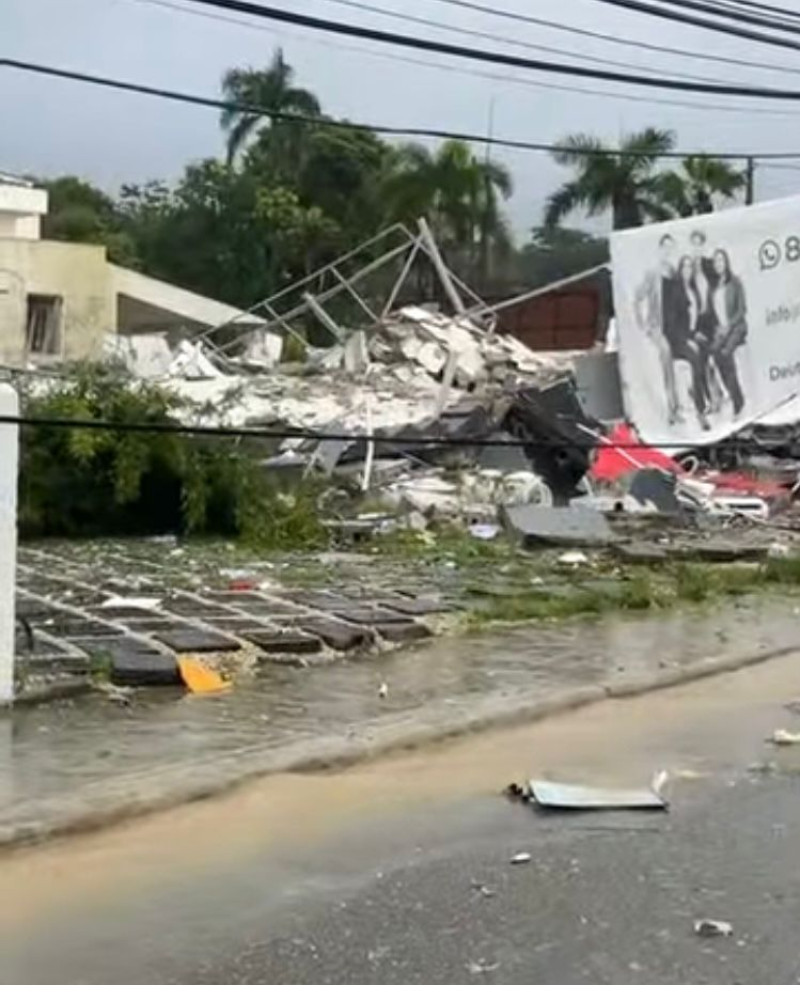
<point>77,482</point>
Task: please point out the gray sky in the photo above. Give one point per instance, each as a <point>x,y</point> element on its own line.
<point>52,127</point>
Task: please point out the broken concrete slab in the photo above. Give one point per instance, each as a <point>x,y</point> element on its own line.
<point>191,640</point>
<point>720,550</point>
<point>569,526</point>
<point>284,641</point>
<point>656,487</point>
<point>641,553</point>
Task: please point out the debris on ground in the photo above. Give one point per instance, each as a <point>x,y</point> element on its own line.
<point>713,928</point>
<point>199,678</point>
<point>521,858</point>
<point>482,967</point>
<point>383,691</point>
<point>569,796</point>
<point>782,737</point>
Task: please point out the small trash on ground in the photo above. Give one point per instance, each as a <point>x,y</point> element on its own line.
<point>485,531</point>
<point>573,559</point>
<point>383,691</point>
<point>763,769</point>
<point>782,737</point>
<point>483,890</point>
<point>201,679</point>
<point>515,792</point>
<point>569,796</point>
<point>521,858</point>
<point>713,928</point>
<point>117,695</point>
<point>481,967</point>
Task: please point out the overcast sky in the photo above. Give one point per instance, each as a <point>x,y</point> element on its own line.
<point>52,127</point>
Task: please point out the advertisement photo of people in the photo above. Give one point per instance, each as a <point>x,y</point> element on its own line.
<point>703,310</point>
<point>694,308</point>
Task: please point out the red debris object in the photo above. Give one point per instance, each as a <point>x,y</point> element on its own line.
<point>243,585</point>
<point>612,463</point>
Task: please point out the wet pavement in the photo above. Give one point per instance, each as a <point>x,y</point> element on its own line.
<point>400,872</point>
<point>89,749</point>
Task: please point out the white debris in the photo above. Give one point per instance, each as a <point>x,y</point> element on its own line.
<point>782,737</point>
<point>192,363</point>
<point>521,858</point>
<point>121,601</point>
<point>713,928</point>
<point>573,559</point>
<point>383,691</point>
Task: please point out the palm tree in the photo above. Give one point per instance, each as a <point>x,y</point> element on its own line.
<point>622,179</point>
<point>267,91</point>
<point>457,192</point>
<point>693,189</point>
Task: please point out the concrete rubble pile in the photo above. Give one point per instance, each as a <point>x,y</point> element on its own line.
<point>415,376</point>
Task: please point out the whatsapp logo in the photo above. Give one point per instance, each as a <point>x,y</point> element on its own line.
<point>769,255</point>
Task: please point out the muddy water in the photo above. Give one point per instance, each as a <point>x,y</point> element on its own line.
<point>60,750</point>
<point>706,729</point>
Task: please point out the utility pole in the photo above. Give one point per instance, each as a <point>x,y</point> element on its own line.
<point>750,173</point>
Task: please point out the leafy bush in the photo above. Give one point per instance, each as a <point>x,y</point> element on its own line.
<point>86,482</point>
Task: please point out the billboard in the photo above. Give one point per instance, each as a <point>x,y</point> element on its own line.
<point>708,322</point>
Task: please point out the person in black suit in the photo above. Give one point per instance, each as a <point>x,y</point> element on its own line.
<point>729,304</point>
<point>683,334</point>
<point>705,280</point>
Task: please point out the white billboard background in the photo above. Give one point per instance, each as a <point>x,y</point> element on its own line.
<point>763,245</point>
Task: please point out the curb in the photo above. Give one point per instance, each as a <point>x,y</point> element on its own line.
<point>176,786</point>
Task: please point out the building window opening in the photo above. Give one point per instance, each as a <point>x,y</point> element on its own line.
<point>44,329</point>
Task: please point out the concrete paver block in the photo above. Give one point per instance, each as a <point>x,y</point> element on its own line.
<point>191,640</point>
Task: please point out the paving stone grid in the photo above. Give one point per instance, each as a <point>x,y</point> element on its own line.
<point>79,617</point>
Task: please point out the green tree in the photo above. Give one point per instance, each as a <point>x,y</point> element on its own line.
<point>337,170</point>
<point>698,184</point>
<point>80,213</point>
<point>623,180</point>
<point>263,92</point>
<point>457,192</point>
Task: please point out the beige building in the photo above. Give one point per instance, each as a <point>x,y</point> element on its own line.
<point>59,301</point>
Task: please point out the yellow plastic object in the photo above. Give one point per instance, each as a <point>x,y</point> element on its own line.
<point>199,678</point>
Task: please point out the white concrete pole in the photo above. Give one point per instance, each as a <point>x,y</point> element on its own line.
<point>9,461</point>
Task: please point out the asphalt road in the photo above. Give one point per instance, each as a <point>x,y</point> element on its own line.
<point>425,892</point>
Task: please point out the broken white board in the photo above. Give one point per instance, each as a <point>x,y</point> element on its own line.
<point>577,797</point>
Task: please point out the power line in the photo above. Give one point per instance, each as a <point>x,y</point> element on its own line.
<point>206,431</point>
<point>487,36</point>
<point>613,39</point>
<point>477,73</point>
<point>458,51</point>
<point>680,18</point>
<point>732,13</point>
<point>763,8</point>
<point>438,134</point>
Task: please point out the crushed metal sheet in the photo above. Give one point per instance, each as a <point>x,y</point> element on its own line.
<point>569,796</point>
